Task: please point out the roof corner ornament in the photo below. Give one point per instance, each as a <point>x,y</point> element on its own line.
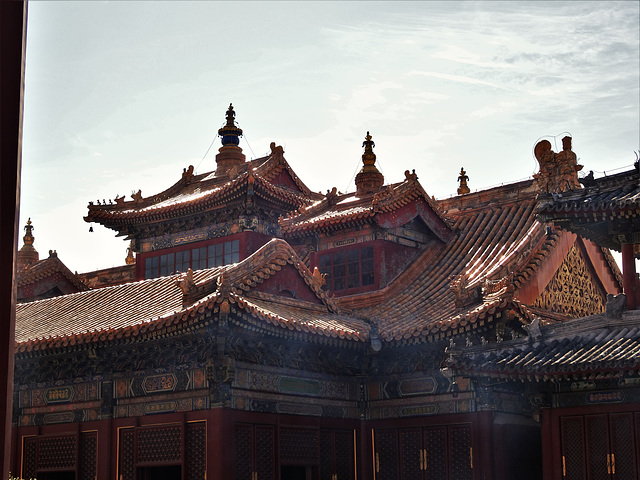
<point>119,201</point>
<point>558,171</point>
<point>410,176</point>
<point>137,196</point>
<point>463,189</point>
<point>615,305</point>
<point>319,279</point>
<point>187,174</point>
<point>276,150</point>
<point>533,329</point>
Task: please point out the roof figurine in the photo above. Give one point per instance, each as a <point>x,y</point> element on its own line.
<point>558,171</point>
<point>463,189</point>
<point>27,255</point>
<point>230,153</point>
<point>369,180</point>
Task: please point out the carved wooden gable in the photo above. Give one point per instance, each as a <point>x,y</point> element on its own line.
<point>574,290</point>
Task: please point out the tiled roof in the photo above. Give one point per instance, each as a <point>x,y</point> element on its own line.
<point>590,347</point>
<point>336,209</point>
<point>612,194</point>
<point>590,211</point>
<point>494,242</point>
<point>45,268</point>
<point>197,192</point>
<point>148,306</point>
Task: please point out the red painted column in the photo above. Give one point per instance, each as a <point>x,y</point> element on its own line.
<point>629,275</point>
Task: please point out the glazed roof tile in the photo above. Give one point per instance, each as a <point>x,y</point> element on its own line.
<point>194,192</point>
<point>131,309</point>
<point>606,194</point>
<point>45,268</point>
<point>493,244</point>
<point>589,347</point>
<point>337,209</point>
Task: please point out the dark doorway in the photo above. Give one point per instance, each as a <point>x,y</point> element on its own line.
<point>168,472</point>
<point>57,475</point>
<point>290,472</point>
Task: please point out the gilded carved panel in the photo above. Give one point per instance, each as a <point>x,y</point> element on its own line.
<point>573,290</point>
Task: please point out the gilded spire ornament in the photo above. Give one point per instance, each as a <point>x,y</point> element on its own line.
<point>130,259</point>
<point>230,153</point>
<point>369,180</point>
<point>27,255</point>
<point>463,189</point>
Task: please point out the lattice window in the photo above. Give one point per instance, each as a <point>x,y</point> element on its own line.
<point>125,455</point>
<point>345,468</point>
<point>623,446</point>
<point>411,447</point>
<point>196,451</point>
<point>572,448</point>
<point>161,444</point>
<point>87,461</point>
<point>29,453</point>
<point>57,452</point>
<point>435,445</point>
<point>243,452</point>
<point>265,461</point>
<point>460,452</point>
<point>386,455</point>
<point>299,446</point>
<point>598,445</point>
<point>326,455</point>
<point>573,291</point>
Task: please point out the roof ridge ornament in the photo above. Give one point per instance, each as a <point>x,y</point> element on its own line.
<point>230,154</point>
<point>27,255</point>
<point>463,189</point>
<point>558,171</point>
<point>369,180</point>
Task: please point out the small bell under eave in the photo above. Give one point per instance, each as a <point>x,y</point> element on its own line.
<point>90,228</point>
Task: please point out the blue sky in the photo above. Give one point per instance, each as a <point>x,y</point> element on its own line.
<point>121,96</point>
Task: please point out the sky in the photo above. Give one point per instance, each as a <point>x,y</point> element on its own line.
<point>123,95</point>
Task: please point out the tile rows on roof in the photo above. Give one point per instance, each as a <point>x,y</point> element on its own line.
<point>490,243</point>
<point>617,192</point>
<point>592,346</point>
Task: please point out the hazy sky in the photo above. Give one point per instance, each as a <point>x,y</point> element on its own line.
<point>121,96</point>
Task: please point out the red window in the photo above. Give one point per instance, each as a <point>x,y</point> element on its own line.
<point>348,269</point>
<point>196,258</point>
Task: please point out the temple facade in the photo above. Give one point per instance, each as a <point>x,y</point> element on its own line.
<point>264,331</point>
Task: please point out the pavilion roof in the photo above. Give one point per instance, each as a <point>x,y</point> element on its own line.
<point>202,192</point>
<point>48,267</point>
<point>336,210</point>
<point>167,304</point>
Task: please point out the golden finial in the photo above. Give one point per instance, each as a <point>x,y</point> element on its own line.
<point>130,260</point>
<point>28,237</point>
<point>462,178</point>
<point>368,157</point>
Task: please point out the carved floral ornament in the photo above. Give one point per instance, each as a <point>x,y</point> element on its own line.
<point>572,290</point>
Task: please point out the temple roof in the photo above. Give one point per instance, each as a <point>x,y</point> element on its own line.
<point>167,304</point>
<point>336,210</point>
<point>601,211</point>
<point>457,287</point>
<point>45,268</point>
<point>208,191</point>
<point>591,347</point>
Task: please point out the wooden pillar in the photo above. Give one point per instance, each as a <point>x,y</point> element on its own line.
<point>13,16</point>
<point>629,275</point>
